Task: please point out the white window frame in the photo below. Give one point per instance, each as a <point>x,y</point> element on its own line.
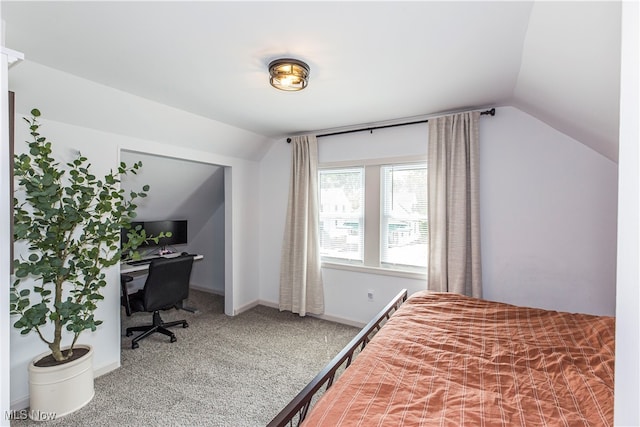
<point>372,232</point>
<point>384,218</point>
<point>361,220</point>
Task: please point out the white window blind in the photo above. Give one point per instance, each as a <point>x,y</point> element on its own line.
<point>342,214</point>
<point>403,219</point>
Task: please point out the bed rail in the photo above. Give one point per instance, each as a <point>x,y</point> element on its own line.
<point>299,406</point>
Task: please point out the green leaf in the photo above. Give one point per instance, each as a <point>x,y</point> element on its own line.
<point>69,220</point>
<point>21,273</point>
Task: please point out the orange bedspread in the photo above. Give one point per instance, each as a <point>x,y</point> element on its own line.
<point>451,360</point>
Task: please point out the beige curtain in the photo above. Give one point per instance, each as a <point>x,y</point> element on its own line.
<point>454,218</point>
<point>300,275</point>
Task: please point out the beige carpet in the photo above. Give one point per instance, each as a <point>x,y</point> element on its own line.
<point>222,371</point>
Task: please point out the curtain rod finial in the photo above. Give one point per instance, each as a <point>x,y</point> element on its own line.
<point>288,140</point>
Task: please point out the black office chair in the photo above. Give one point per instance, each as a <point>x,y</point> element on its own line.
<point>167,285</point>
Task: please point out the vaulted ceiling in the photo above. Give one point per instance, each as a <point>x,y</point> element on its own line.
<point>370,61</point>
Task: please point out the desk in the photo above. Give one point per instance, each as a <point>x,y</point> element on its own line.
<point>142,268</point>
<point>130,287</point>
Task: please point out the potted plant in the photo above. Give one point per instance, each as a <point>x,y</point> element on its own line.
<point>71,222</point>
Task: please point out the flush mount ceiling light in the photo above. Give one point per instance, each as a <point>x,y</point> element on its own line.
<point>288,74</point>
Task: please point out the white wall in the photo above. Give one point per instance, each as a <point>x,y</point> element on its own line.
<point>557,63</point>
<point>627,380</point>
<point>548,217</point>
<point>5,235</point>
<point>215,229</point>
<point>548,209</point>
<point>36,86</point>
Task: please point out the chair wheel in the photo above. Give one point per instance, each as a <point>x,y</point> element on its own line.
<point>129,333</point>
<point>185,325</point>
<point>173,338</point>
<point>134,345</point>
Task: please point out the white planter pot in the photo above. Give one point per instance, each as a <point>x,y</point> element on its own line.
<point>55,391</point>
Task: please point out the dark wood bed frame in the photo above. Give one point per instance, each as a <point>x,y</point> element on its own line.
<point>296,411</point>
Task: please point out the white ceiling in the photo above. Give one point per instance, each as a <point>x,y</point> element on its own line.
<point>200,188</point>
<point>370,61</point>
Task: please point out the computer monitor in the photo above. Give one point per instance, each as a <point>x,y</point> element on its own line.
<point>178,229</point>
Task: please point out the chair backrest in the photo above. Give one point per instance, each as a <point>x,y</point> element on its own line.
<point>167,283</point>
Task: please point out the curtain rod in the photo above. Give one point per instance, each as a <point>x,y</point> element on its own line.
<point>491,112</point>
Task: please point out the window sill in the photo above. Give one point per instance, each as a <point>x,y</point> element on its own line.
<point>375,270</point>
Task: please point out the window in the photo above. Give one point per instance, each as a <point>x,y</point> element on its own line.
<point>375,216</point>
<point>403,239</point>
<point>342,214</point>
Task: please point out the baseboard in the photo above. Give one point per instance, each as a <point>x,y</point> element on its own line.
<point>106,369</point>
<point>338,319</point>
<point>270,304</point>
<point>327,317</point>
<point>19,404</point>
<point>207,290</point>
<point>23,402</point>
<point>247,306</point>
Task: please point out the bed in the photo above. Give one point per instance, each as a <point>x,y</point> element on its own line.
<point>447,359</point>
